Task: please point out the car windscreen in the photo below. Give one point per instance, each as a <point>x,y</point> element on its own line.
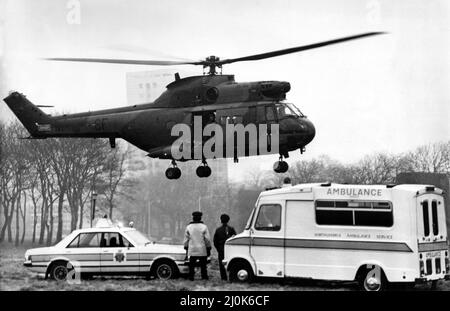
<point>138,237</point>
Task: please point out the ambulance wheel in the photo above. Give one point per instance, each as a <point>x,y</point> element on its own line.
<point>371,281</point>
<point>241,272</point>
<point>59,271</point>
<point>165,270</point>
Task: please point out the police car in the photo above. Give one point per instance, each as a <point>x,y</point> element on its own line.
<point>107,249</point>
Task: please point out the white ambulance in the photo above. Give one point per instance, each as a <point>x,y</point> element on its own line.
<point>373,234</point>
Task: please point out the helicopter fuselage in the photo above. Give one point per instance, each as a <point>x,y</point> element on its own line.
<point>215,98</point>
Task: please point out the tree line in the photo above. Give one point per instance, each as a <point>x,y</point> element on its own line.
<point>55,178</point>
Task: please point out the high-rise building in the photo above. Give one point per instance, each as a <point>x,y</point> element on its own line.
<point>146,86</point>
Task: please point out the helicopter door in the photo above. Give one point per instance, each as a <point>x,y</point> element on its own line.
<point>266,115</point>
<point>207,118</point>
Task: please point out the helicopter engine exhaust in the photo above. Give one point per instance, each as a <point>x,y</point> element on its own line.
<point>275,89</point>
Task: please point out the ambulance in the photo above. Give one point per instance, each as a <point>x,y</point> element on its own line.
<point>372,234</point>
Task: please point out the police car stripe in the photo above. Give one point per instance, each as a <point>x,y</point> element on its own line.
<point>132,259</point>
<point>325,244</point>
<point>77,257</point>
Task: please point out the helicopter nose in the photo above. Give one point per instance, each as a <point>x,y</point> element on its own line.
<point>310,131</point>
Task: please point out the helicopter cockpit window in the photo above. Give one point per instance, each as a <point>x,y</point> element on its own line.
<point>286,110</point>
<point>295,109</point>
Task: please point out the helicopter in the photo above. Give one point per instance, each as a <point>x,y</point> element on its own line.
<point>211,98</point>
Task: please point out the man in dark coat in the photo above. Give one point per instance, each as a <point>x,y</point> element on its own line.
<point>223,233</point>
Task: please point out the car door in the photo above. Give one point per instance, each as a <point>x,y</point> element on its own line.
<point>84,252</point>
<point>267,240</point>
<point>118,254</point>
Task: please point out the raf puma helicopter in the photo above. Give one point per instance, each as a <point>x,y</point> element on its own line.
<point>212,98</point>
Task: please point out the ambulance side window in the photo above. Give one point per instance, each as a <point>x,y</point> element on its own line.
<point>269,218</point>
<point>354,213</point>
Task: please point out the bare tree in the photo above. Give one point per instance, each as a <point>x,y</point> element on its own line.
<point>114,180</point>
<point>376,169</point>
<point>431,158</point>
<point>86,159</point>
<point>13,177</point>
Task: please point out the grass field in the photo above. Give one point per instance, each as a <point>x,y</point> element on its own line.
<point>13,276</point>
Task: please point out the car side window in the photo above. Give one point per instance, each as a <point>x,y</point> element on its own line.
<point>114,239</point>
<point>86,240</point>
<point>269,218</point>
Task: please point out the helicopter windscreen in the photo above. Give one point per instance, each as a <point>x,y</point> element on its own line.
<point>286,110</point>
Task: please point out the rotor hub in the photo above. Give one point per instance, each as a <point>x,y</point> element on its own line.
<point>212,62</point>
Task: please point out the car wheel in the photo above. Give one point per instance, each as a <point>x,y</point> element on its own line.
<point>241,272</point>
<point>165,270</point>
<point>59,271</point>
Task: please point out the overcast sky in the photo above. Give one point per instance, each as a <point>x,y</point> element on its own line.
<point>386,93</point>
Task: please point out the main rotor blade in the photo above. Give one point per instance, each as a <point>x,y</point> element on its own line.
<point>298,48</point>
<point>144,50</point>
<point>124,61</point>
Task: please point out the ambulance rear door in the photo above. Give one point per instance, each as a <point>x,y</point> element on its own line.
<point>432,235</point>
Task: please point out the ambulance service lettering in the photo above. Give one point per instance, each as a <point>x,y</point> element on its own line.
<point>355,192</point>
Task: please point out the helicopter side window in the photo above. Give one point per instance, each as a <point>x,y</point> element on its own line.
<point>260,114</point>
<point>270,115</point>
<point>209,117</point>
<point>230,119</point>
<point>231,116</point>
<point>237,119</point>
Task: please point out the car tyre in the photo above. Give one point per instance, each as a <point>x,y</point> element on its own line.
<point>59,271</point>
<point>165,270</point>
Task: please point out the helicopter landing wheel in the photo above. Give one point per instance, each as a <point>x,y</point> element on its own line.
<point>203,170</point>
<point>280,166</point>
<point>173,172</point>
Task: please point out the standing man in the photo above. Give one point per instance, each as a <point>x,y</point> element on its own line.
<point>223,233</point>
<point>197,242</point>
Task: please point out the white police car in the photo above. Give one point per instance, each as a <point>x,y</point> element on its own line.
<point>107,249</point>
